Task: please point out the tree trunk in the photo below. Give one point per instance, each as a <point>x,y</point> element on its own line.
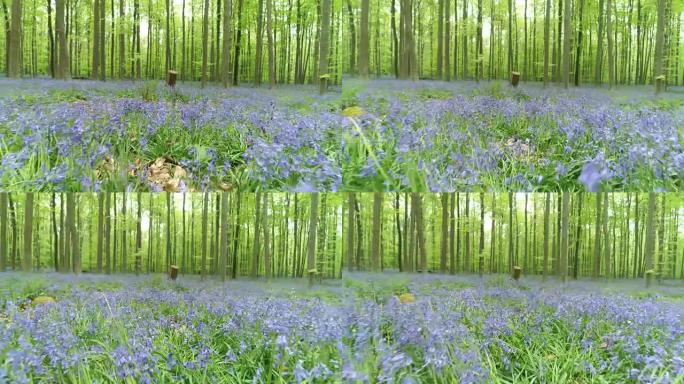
<point>311,245</point>
<point>238,36</point>
<point>578,56</point>
<point>15,37</point>
<point>547,40</point>
<point>267,239</point>
<point>658,70</point>
<point>510,36</point>
<point>606,252</point>
<point>567,35</point>
<point>223,251</point>
<point>236,235</point>
<point>466,235</point>
<point>63,50</point>
<point>480,50</point>
<point>28,232</point>
<point>564,243</point>
<point>599,48</point>
<point>257,235</point>
<point>350,231</point>
<point>395,39</point>
<point>611,50</point>
<point>73,233</point>
<point>205,229</point>
<point>124,230</point>
<point>440,37</point>
<point>138,236</point>
<point>3,231</point>
<point>271,44</point>
<point>597,238</point>
<point>205,41</point>
<point>445,233</point>
<point>650,238</point>
<point>364,40</point>
<point>480,252</point>
<point>227,42</point>
<point>324,50</point>
<point>259,42</point>
<point>375,242</point>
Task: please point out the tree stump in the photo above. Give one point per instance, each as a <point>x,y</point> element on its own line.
<point>174,272</point>
<point>515,78</point>
<point>660,83</point>
<point>649,277</point>
<point>516,272</point>
<point>171,78</point>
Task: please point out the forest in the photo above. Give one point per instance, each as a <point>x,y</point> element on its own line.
<point>614,42</point>
<point>324,235</point>
<point>342,191</point>
<point>208,41</point>
<point>183,109</point>
<point>341,287</point>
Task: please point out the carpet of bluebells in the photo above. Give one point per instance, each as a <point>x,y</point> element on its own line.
<point>383,135</point>
<point>363,329</point>
<point>453,136</point>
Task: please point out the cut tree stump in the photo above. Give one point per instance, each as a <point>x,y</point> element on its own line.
<point>516,272</point>
<point>171,78</point>
<point>174,272</point>
<point>660,83</point>
<point>515,78</point>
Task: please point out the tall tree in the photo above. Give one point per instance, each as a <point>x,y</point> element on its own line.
<point>611,49</point>
<point>599,47</point>
<point>440,37</point>
<point>479,67</point>
<point>510,36</point>
<point>597,238</point>
<point>63,62</point>
<point>205,228</point>
<point>15,39</point>
<point>364,40</point>
<point>28,232</point>
<point>567,41</point>
<point>445,233</point>
<point>169,241</point>
<point>578,54</point>
<point>375,241</point>
<point>447,40</point>
<point>73,233</point>
<point>227,41</point>
<point>480,251</point>
<point>650,238</point>
<point>223,251</point>
<point>547,40</point>
<point>205,42</point>
<point>138,236</point>
<point>167,35</point>
<point>3,231</point>
<point>122,42</point>
<point>658,71</point>
<point>350,230</point>
<point>257,235</point>
<point>606,251</point>
<point>311,244</point>
<point>259,42</point>
<point>271,44</point>
<point>565,244</point>
<point>324,47</point>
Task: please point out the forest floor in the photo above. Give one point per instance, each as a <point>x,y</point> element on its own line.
<point>386,328</point>
<point>376,135</point>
